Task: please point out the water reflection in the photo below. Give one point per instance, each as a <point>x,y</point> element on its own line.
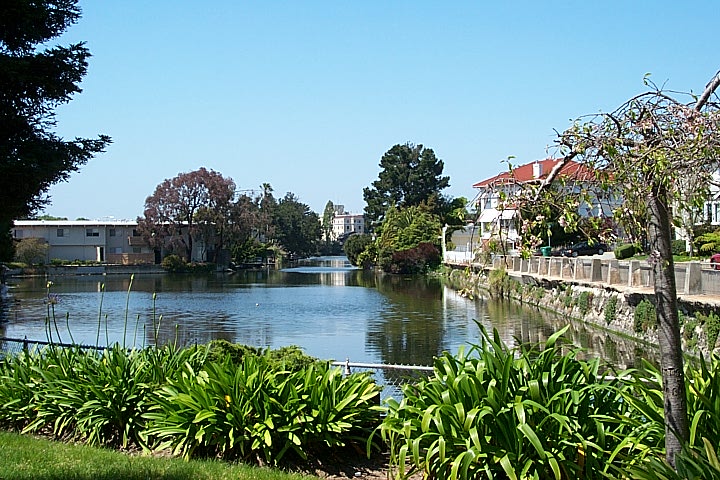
<point>327,307</point>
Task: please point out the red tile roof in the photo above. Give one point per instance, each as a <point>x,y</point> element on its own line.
<point>524,173</point>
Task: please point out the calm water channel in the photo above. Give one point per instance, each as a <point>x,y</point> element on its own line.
<point>324,305</point>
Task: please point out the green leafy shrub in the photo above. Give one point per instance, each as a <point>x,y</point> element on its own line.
<point>712,328</point>
<point>645,316</point>
<point>584,302</point>
<point>711,324</point>
<point>625,251</point>
<point>537,293</point>
<point>568,300</point>
<point>98,397</point>
<point>498,412</point>
<point>611,309</point>
<point>425,256</point>
<point>267,405</point>
<point>18,387</point>
<point>254,411</point>
<point>709,242</point>
<point>498,282</point>
<point>679,247</point>
<point>291,357</point>
<point>689,327</point>
<point>174,264</point>
<point>202,267</point>
<point>355,245</point>
<point>31,251</point>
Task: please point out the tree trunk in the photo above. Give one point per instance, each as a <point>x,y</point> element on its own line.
<point>671,357</point>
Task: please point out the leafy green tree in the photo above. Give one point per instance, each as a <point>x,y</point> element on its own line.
<point>267,205</point>
<point>642,149</point>
<point>244,229</point>
<point>405,229</point>
<point>355,245</point>
<point>34,80</point>
<point>454,217</point>
<point>709,243</point>
<point>327,223</point>
<point>411,175</point>
<point>31,251</point>
<point>297,228</point>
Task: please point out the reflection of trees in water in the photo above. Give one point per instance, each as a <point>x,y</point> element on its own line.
<point>537,326</point>
<point>4,312</point>
<point>407,331</point>
<point>169,331</point>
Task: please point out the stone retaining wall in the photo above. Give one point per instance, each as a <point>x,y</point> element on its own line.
<point>567,297</point>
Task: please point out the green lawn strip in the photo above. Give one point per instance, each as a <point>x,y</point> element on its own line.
<point>24,457</point>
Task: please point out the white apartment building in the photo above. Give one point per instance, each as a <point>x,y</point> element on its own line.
<point>116,242</point>
<point>345,223</point>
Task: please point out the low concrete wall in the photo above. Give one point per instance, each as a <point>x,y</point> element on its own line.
<point>692,278</point>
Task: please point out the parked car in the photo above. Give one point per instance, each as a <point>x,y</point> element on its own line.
<point>715,261</point>
<point>585,248</point>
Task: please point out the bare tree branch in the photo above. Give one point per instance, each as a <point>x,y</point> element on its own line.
<point>709,89</point>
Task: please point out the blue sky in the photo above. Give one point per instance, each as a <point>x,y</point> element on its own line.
<point>307,96</point>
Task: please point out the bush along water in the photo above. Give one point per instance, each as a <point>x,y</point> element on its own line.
<point>498,412</point>
<point>256,411</point>
<point>157,398</point>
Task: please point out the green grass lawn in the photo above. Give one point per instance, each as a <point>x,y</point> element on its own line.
<point>24,457</point>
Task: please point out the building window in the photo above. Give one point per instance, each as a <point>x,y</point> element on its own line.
<point>137,249</point>
<point>60,232</point>
<point>92,232</point>
<point>135,233</point>
<point>111,232</point>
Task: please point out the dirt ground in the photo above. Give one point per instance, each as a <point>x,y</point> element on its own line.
<point>350,465</point>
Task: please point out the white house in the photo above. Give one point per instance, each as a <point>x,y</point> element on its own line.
<point>711,212</point>
<point>497,220</point>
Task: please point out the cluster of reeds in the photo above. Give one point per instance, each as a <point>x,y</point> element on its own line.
<point>163,397</point>
<point>525,413</point>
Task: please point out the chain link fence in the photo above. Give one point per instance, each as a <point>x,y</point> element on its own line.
<point>390,377</point>
<point>13,346</point>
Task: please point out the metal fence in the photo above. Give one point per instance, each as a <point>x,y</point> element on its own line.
<point>390,377</point>
<point>12,346</point>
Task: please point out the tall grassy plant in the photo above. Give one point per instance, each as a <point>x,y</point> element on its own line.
<point>257,411</point>
<point>699,457</point>
<point>19,381</point>
<point>499,412</point>
<point>98,397</point>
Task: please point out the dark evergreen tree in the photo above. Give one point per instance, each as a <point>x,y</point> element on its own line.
<point>297,228</point>
<point>34,81</point>
<point>411,175</point>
